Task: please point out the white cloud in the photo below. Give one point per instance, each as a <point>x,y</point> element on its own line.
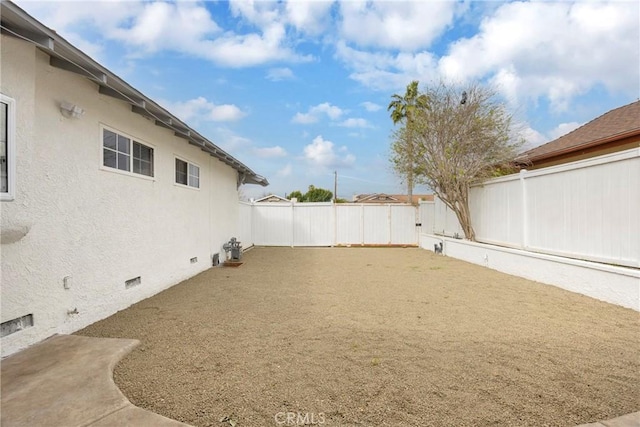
<point>186,27</point>
<point>321,154</point>
<point>285,171</point>
<point>405,25</point>
<point>331,111</point>
<point>226,113</point>
<point>563,129</point>
<point>528,50</point>
<point>315,112</point>
<point>230,141</point>
<point>259,13</point>
<point>310,17</point>
<point>553,49</point>
<point>304,118</point>
<point>70,19</point>
<point>270,152</point>
<point>370,106</point>
<point>384,71</point>
<point>201,109</point>
<point>355,123</point>
<point>159,26</point>
<point>532,138</point>
<point>277,74</point>
<point>245,50</point>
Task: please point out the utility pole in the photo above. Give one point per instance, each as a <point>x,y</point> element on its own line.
<point>335,186</point>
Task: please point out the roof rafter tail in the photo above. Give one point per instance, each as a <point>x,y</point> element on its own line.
<point>66,65</point>
<point>42,40</point>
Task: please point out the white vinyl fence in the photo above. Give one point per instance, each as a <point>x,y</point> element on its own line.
<point>587,210</point>
<point>437,218</point>
<point>327,224</point>
<point>245,234</point>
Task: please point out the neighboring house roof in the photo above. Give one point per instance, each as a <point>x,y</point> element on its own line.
<point>391,198</point>
<point>17,23</point>
<point>617,125</point>
<point>272,198</point>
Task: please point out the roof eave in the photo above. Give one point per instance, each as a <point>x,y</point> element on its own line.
<point>580,147</point>
<point>109,84</point>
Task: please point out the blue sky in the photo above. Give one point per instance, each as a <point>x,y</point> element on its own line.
<point>299,89</point>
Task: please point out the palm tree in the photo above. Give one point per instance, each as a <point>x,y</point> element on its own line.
<point>403,109</point>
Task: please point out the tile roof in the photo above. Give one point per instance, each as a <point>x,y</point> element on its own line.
<point>615,124</point>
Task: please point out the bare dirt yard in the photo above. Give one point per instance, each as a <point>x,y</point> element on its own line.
<point>375,337</point>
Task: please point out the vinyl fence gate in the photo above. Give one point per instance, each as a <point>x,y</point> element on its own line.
<point>328,224</point>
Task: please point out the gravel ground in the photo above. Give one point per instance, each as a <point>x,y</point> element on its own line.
<point>375,337</point>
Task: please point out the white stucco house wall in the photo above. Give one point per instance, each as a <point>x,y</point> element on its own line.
<point>107,198</point>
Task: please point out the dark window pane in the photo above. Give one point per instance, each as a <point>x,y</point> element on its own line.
<point>123,162</point>
<point>109,157</point>
<point>146,168</point>
<point>146,153</point>
<point>181,166</point>
<point>142,167</point>
<point>4,149</point>
<point>123,144</point>
<point>4,176</point>
<point>181,172</point>
<point>4,108</point>
<point>142,159</point>
<point>109,139</point>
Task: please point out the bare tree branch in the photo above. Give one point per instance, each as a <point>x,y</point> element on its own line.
<point>458,143</point>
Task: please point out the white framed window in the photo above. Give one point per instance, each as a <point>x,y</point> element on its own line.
<point>187,173</point>
<point>123,153</point>
<point>7,148</point>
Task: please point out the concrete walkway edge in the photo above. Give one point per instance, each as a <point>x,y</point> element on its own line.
<point>67,380</point>
<point>629,420</point>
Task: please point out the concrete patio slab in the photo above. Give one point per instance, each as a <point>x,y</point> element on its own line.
<point>66,380</point>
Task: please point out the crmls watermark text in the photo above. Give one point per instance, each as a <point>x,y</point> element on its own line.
<point>299,419</point>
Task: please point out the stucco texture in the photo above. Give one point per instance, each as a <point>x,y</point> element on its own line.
<point>94,225</point>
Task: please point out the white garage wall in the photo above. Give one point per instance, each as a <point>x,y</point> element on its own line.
<point>94,225</point>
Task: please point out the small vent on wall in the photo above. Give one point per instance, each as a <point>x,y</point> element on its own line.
<point>12,326</point>
<point>194,260</point>
<point>132,282</point>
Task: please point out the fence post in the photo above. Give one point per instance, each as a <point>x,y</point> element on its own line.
<point>293,224</point>
<point>525,216</point>
<point>362,224</point>
<point>389,220</point>
<point>335,224</point>
<point>252,208</point>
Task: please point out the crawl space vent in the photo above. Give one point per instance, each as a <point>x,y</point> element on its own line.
<point>12,326</point>
<point>132,282</point>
